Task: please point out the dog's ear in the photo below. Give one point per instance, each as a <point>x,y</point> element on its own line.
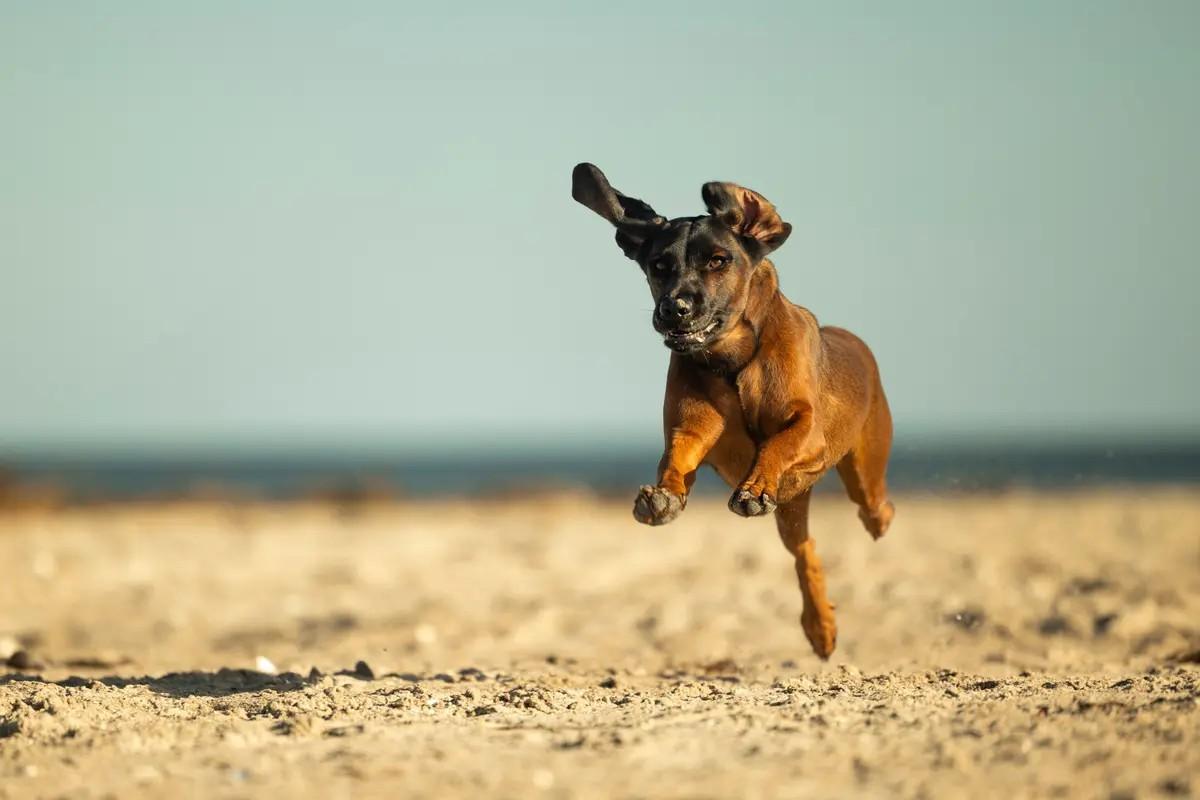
<point>634,219</point>
<point>749,214</point>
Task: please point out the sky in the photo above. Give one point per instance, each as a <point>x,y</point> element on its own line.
<point>241,225</point>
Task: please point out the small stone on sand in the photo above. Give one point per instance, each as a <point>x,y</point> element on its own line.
<point>21,660</point>
<point>543,779</point>
<point>425,634</point>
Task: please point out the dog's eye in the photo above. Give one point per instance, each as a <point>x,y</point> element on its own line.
<point>660,265</point>
<point>718,262</point>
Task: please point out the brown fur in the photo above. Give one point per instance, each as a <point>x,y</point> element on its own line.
<point>772,400</point>
<point>807,400</point>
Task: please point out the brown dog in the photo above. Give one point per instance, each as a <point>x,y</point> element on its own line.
<point>756,388</point>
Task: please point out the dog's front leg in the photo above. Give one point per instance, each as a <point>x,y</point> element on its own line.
<point>693,425</point>
<point>801,444</point>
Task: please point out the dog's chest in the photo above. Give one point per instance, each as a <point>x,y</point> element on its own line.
<point>746,402</point>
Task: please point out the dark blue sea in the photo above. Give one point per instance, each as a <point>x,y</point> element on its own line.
<point>945,466</point>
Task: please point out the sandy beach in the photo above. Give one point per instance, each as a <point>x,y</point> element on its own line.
<point>1005,645</point>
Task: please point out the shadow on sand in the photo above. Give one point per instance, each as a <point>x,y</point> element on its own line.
<point>222,683</point>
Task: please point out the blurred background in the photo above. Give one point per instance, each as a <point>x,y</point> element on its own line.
<point>285,246</point>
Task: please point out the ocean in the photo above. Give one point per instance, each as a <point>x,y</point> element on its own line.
<point>931,467</point>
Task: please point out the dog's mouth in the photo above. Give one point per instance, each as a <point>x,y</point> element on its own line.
<point>684,340</point>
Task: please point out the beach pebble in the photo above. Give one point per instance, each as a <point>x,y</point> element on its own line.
<point>145,773</point>
<point>23,661</point>
<point>425,634</point>
<point>44,565</point>
<point>8,646</point>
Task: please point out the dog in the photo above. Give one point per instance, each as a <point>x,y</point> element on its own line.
<point>755,388</point>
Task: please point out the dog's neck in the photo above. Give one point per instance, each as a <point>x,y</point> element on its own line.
<point>738,347</point>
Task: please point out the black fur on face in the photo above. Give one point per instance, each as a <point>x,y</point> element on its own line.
<point>698,268</point>
<point>695,264</point>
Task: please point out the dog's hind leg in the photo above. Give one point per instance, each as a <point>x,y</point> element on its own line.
<point>864,469</point>
<point>817,618</point>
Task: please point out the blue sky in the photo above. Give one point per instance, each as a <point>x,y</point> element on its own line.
<point>242,224</point>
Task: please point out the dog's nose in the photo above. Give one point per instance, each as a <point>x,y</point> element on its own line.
<point>675,308</point>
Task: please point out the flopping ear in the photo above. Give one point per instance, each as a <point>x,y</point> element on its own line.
<point>751,215</point>
<point>634,219</point>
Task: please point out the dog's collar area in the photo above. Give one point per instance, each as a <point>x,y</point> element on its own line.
<point>727,365</point>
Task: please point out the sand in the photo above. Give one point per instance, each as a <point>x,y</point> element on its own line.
<point>1013,645</point>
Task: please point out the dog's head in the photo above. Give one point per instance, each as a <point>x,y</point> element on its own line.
<point>699,268</point>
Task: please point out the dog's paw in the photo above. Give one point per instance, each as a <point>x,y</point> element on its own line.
<point>821,631</point>
<point>876,522</point>
<point>655,505</point>
<point>749,502</point>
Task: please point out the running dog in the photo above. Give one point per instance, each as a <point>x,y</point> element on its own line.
<point>756,387</point>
